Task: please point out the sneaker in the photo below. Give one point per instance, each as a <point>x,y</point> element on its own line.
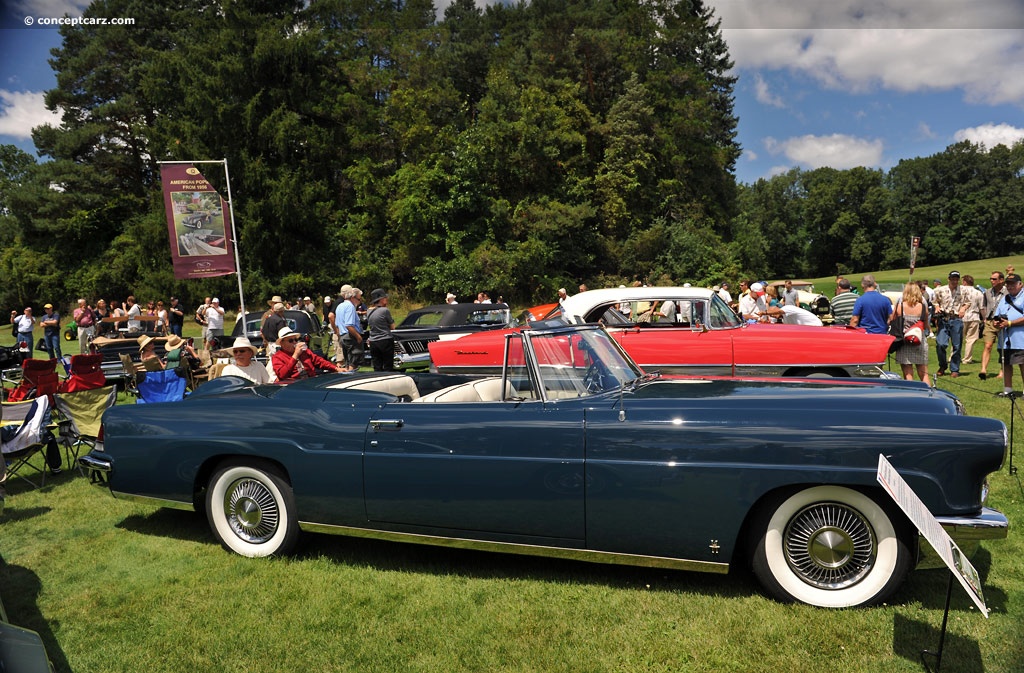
<point>953,375</point>
<point>55,470</point>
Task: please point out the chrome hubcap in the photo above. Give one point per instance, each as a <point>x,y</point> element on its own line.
<point>830,546</point>
<point>251,510</point>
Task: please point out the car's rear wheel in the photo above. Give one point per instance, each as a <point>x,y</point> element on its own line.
<point>832,547</point>
<point>251,509</point>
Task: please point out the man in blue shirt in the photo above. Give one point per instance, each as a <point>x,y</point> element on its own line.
<point>1010,321</point>
<point>350,328</point>
<point>872,309</point>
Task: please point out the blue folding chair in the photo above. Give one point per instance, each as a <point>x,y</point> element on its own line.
<point>160,386</point>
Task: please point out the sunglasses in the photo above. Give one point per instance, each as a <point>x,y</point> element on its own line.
<point>293,340</point>
<point>240,351</point>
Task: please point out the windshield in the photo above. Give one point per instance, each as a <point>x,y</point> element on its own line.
<point>721,315</point>
<point>578,363</point>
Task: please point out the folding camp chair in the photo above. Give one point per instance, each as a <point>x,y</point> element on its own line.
<point>131,371</point>
<point>80,419</point>
<point>20,443</point>
<point>85,373</point>
<point>162,386</point>
<point>39,377</point>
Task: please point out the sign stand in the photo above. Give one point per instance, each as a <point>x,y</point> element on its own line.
<point>959,566</point>
<point>1013,412</point>
<point>942,633</point>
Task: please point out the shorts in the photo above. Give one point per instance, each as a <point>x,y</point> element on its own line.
<point>990,333</point>
<point>1013,356</point>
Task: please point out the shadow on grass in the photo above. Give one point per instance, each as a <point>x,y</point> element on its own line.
<point>16,514</point>
<point>443,561</point>
<point>910,637</point>
<point>928,587</point>
<point>170,523</point>
<point>21,589</point>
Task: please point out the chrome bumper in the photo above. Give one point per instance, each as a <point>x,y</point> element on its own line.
<point>97,465</point>
<point>417,361</point>
<point>968,533</point>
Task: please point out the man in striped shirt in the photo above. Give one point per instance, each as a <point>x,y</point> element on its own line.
<point>842,303</point>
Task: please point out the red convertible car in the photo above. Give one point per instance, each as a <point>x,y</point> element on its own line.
<point>686,330</point>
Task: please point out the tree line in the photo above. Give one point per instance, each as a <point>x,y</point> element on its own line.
<point>514,149</point>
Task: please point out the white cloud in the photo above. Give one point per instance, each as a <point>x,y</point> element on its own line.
<point>20,111</point>
<point>765,96</point>
<point>836,150</point>
<point>49,8</point>
<point>898,45</point>
<point>925,131</point>
<point>991,135</point>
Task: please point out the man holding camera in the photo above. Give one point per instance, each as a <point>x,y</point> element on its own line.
<point>951,303</point>
<point>1010,321</point>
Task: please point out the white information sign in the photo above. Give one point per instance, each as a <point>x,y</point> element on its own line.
<point>932,531</point>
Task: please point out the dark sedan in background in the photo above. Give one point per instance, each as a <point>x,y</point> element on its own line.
<point>309,325</point>
<point>442,322</point>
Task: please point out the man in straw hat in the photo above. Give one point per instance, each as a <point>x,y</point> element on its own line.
<point>293,359</point>
<point>245,364</point>
<point>175,349</point>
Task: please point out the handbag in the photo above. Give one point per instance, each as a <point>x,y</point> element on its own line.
<point>915,333</point>
<point>918,331</point>
<point>895,329</point>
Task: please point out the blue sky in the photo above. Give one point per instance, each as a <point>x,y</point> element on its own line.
<point>839,83</point>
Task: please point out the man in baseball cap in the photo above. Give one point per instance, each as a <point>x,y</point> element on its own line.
<point>752,305</point>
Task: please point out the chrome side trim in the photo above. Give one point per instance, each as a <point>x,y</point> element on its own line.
<point>588,555</point>
<point>150,500</point>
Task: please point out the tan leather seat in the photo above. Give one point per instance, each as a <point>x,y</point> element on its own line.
<point>398,385</point>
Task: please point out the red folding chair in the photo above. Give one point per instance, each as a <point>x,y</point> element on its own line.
<point>38,378</point>
<point>86,373</point>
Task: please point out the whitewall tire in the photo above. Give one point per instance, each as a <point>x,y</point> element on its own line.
<point>832,547</point>
<point>251,510</point>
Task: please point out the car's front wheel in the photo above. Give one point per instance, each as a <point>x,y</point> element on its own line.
<point>832,547</point>
<point>251,509</point>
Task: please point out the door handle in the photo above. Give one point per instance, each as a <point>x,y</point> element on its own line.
<point>389,425</point>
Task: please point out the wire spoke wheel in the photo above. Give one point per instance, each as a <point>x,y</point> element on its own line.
<point>252,511</point>
<point>830,546</point>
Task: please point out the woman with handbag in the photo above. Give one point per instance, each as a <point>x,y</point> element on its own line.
<point>912,312</point>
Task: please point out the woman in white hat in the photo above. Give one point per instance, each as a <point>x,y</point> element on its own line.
<point>245,365</point>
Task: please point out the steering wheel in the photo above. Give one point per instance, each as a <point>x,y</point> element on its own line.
<point>593,378</point>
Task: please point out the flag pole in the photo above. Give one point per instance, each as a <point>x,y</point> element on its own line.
<point>234,238</point>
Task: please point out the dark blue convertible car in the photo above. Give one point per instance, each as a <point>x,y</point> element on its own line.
<point>574,452</point>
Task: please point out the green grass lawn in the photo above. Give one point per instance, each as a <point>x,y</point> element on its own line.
<point>117,586</point>
<point>980,269</point>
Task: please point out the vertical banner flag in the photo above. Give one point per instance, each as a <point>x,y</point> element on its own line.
<point>915,243</point>
<point>196,216</point>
